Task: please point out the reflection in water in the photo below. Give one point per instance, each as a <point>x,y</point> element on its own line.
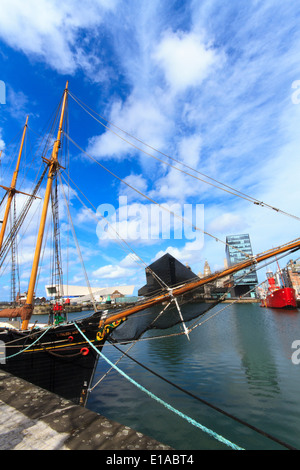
<point>240,361</point>
<point>256,351</point>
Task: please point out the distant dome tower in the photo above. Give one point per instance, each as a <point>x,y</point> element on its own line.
<point>207,270</point>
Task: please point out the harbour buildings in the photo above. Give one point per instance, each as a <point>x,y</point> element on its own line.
<point>238,248</point>
<point>291,276</point>
<point>85,294</point>
<point>168,270</point>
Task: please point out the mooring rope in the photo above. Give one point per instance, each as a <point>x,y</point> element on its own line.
<point>22,350</point>
<point>162,402</point>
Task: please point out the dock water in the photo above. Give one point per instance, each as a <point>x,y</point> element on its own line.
<point>34,419</point>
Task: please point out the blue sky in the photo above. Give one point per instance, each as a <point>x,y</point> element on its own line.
<point>212,84</point>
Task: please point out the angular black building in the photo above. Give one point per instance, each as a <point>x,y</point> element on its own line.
<point>169,270</point>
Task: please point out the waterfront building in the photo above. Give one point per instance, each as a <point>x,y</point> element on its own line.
<point>217,288</point>
<point>167,269</point>
<point>237,249</point>
<point>83,293</point>
<point>291,276</point>
<point>207,270</point>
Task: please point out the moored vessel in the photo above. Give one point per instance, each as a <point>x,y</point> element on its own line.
<point>62,356</point>
<point>279,297</point>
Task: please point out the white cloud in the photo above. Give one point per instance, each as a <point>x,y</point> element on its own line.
<point>136,181</point>
<point>189,149</point>
<point>139,116</point>
<point>18,104</point>
<point>49,29</point>
<point>129,270</point>
<point>111,272</point>
<point>212,92</point>
<point>175,186</point>
<point>87,217</point>
<point>228,223</point>
<point>130,261</point>
<point>191,253</point>
<point>185,59</point>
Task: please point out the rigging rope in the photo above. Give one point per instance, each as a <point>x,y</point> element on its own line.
<point>230,189</point>
<point>153,201</point>
<point>77,245</point>
<point>129,249</point>
<point>162,402</point>
<point>21,217</point>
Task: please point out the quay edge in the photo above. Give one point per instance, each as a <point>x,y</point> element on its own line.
<point>32,418</point>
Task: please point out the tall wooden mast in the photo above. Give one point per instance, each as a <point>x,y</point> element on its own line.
<point>12,190</point>
<point>53,165</point>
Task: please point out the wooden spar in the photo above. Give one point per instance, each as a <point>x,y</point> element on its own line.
<point>18,192</point>
<point>53,165</point>
<point>12,189</point>
<point>183,289</point>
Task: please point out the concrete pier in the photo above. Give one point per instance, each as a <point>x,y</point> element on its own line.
<point>34,419</point>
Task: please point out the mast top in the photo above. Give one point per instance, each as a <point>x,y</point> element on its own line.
<point>53,164</point>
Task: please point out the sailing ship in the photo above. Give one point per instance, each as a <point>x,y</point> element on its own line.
<point>278,297</point>
<point>62,356</point>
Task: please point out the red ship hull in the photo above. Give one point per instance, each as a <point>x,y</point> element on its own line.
<point>281,298</point>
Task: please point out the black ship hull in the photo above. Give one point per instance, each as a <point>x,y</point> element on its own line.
<point>61,361</point>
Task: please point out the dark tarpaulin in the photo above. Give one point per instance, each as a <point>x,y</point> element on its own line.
<point>137,324</point>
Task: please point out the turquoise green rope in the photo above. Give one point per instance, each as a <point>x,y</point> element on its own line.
<point>159,400</point>
<point>19,352</point>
